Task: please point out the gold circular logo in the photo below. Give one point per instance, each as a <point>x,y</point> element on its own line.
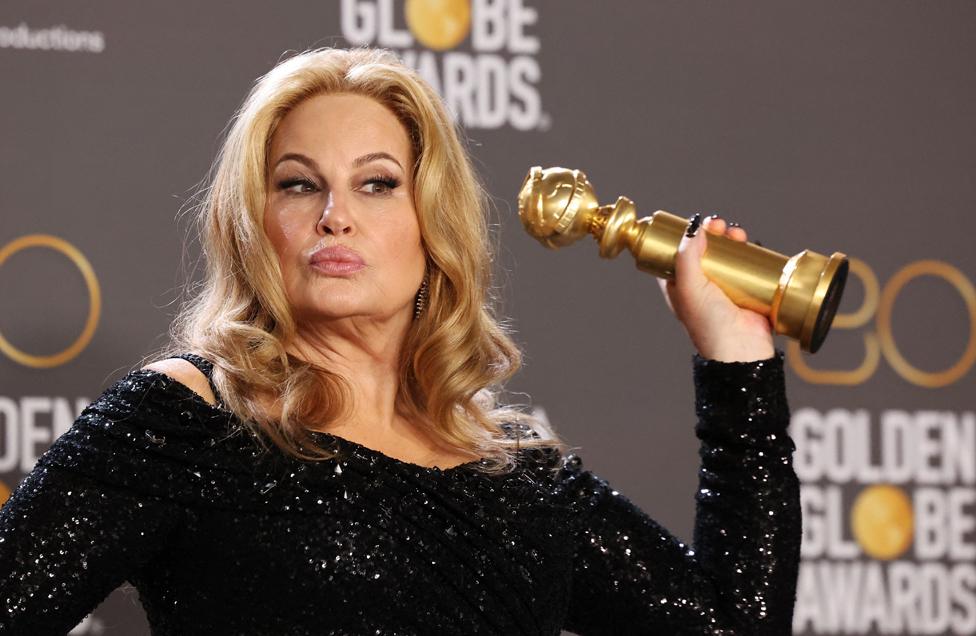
<point>882,521</point>
<point>968,293</point>
<point>94,300</point>
<point>439,24</point>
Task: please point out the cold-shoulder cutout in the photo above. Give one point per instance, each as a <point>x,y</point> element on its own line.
<point>187,374</point>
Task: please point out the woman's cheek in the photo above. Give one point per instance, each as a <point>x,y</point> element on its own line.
<point>287,236</point>
<point>292,228</point>
<point>407,233</point>
<point>281,236</point>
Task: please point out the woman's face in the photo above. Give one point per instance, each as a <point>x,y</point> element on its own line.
<point>339,176</point>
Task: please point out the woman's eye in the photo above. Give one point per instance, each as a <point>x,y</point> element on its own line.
<point>296,186</point>
<point>381,185</point>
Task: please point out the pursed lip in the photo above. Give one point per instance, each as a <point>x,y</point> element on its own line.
<point>336,254</point>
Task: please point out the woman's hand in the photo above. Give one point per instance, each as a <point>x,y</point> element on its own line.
<point>718,328</point>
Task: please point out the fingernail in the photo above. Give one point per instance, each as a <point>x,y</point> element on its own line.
<point>712,216</point>
<point>694,225</point>
<point>734,224</point>
<point>757,243</point>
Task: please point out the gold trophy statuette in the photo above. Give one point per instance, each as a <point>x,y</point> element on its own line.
<point>799,294</point>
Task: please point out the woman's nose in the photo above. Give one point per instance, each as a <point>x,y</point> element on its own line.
<point>335,218</point>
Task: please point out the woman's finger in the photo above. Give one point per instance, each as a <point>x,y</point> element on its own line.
<point>689,279</point>
<point>666,287</point>
<point>715,224</point>
<point>736,232</point>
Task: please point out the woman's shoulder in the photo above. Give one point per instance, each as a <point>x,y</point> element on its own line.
<point>549,456</point>
<point>149,433</point>
<point>170,395</point>
<point>186,373</point>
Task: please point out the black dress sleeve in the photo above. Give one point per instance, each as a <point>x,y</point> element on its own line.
<point>92,510</point>
<point>630,575</point>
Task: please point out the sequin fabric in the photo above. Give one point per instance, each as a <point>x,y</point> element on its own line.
<point>154,486</point>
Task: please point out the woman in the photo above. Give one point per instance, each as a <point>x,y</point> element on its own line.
<point>319,451</point>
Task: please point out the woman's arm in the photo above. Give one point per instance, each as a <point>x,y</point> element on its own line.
<point>632,576</point>
<point>88,514</point>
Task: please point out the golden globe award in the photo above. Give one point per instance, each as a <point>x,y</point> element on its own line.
<point>799,294</point>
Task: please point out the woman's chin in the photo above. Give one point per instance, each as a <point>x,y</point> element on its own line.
<point>336,311</point>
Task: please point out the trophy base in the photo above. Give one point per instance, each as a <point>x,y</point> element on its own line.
<point>828,294</point>
<point>806,299</point>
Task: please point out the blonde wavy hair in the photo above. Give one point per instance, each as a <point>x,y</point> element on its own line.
<point>456,355</point>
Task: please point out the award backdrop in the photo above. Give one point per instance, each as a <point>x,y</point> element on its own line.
<point>833,126</point>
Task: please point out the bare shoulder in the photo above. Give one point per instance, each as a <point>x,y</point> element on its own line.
<point>187,374</point>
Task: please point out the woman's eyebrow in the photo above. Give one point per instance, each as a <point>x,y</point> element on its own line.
<point>373,156</point>
<point>359,161</point>
<point>300,158</point>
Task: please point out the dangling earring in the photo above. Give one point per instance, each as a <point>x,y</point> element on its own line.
<point>421,302</point>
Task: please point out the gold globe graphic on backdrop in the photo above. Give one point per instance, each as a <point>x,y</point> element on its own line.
<point>4,493</point>
<point>94,301</point>
<point>882,521</point>
<point>439,24</point>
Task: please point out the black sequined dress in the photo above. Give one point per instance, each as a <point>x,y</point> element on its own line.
<point>152,485</point>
